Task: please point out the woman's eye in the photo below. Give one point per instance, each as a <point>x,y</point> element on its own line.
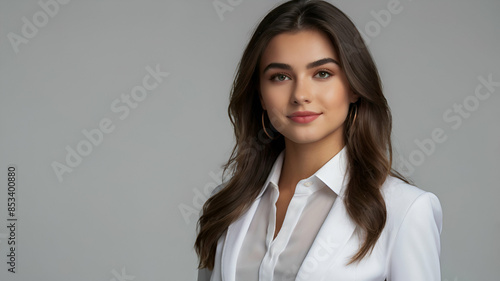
<point>279,77</point>
<point>323,74</point>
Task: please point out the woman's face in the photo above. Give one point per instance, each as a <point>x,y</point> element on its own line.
<point>300,72</point>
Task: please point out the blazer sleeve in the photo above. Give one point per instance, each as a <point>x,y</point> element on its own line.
<point>417,246</point>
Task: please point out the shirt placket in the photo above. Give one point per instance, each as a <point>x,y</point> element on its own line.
<point>275,247</point>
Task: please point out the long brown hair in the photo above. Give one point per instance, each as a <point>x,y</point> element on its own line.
<point>368,139</point>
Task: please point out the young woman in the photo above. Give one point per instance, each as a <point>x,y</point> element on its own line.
<point>312,194</point>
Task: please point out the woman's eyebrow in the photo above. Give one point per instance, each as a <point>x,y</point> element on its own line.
<point>310,65</point>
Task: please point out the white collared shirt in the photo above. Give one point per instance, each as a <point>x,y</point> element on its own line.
<point>408,248</point>
<point>261,257</point>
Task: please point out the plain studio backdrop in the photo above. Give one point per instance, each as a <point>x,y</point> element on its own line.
<point>113,119</point>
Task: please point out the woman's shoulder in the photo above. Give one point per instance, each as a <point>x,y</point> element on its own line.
<point>404,201</point>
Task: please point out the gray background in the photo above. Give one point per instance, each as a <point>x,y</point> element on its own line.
<point>120,211</point>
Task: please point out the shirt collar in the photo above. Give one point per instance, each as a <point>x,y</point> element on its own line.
<point>330,174</point>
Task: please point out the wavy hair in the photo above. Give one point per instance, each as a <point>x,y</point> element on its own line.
<point>368,139</point>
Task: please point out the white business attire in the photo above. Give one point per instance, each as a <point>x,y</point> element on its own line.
<point>318,237</point>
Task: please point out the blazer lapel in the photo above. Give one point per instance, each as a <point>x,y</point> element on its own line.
<point>236,231</point>
<point>333,235</point>
<point>336,230</point>
<point>234,239</point>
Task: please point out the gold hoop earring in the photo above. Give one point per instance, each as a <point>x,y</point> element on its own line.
<point>355,109</point>
<point>264,126</point>
<point>355,115</point>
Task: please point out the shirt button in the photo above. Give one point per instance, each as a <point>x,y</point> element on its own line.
<point>308,183</point>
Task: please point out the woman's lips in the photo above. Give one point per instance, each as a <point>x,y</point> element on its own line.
<point>305,118</point>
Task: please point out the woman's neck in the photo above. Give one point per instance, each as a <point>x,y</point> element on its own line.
<point>303,159</point>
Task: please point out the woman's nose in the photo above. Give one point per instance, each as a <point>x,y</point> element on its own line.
<point>302,91</point>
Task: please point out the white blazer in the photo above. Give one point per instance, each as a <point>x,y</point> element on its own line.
<point>408,248</point>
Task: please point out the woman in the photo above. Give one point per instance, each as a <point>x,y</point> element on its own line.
<point>312,194</point>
